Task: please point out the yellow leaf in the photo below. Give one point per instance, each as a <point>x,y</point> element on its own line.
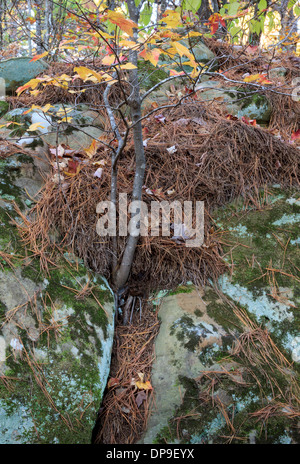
<point>108,60</point>
<point>144,385</point>
<point>128,66</point>
<point>63,111</point>
<point>64,42</point>
<point>77,91</point>
<point>128,44</point>
<point>34,93</point>
<point>67,47</point>
<point>65,77</point>
<point>32,84</point>
<point>35,126</point>
<point>182,50</point>
<point>87,74</point>
<point>195,73</point>
<point>172,19</point>
<point>192,34</point>
<point>66,119</point>
<point>252,78</point>
<point>46,108</point>
<point>9,123</point>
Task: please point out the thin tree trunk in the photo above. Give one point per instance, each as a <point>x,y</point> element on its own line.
<point>29,34</point>
<point>204,11</point>
<point>123,271</point>
<point>2,13</point>
<point>47,24</point>
<point>39,39</point>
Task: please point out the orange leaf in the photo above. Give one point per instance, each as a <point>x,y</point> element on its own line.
<point>249,122</point>
<point>92,150</point>
<point>151,55</point>
<point>175,73</point>
<point>113,382</point>
<point>144,385</point>
<point>38,57</point>
<point>127,25</point>
<point>259,78</point>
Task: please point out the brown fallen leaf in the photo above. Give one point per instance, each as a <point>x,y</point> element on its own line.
<point>140,397</point>
<point>113,382</point>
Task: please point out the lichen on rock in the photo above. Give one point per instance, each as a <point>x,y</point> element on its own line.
<point>56,330</point>
<point>228,355</point>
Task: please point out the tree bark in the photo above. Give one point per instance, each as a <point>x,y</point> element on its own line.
<point>122,273</point>
<point>39,38</point>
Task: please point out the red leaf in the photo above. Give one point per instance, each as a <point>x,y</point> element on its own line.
<point>250,122</point>
<point>252,49</point>
<point>295,135</point>
<point>73,165</point>
<point>214,22</point>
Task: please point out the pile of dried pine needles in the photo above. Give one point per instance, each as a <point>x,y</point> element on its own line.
<point>124,411</point>
<point>213,160</point>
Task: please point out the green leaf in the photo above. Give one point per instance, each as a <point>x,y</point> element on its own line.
<point>192,5</point>
<point>146,14</point>
<point>234,30</point>
<point>233,8</point>
<point>257,27</point>
<point>271,20</point>
<point>263,4</point>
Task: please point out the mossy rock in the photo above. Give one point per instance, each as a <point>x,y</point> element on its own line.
<point>227,354</point>
<point>18,71</point>
<point>267,252</point>
<point>237,102</point>
<point>150,75</point>
<point>83,127</point>
<point>55,338</point>
<point>4,106</point>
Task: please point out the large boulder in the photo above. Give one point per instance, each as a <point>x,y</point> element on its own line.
<point>56,330</point>
<point>18,71</point>
<point>82,126</point>
<point>237,102</point>
<point>227,357</point>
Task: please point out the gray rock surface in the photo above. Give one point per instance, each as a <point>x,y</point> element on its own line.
<point>18,71</point>
<point>224,356</point>
<point>55,342</point>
